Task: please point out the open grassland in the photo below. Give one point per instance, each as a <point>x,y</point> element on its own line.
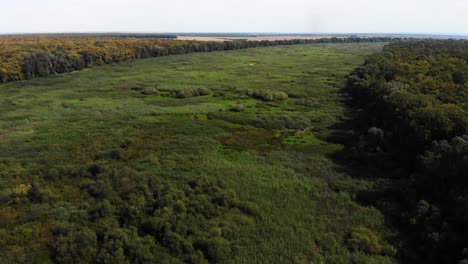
<point>194,158</point>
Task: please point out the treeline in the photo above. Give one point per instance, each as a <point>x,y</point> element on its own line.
<point>413,100</point>
<point>96,35</point>
<point>31,56</point>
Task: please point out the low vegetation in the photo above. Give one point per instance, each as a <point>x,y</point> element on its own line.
<point>170,160</point>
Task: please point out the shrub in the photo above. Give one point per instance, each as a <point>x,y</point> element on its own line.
<point>268,95</point>
<point>149,91</point>
<point>191,92</point>
<point>307,102</point>
<point>203,91</point>
<point>219,93</point>
<point>237,108</point>
<point>364,240</point>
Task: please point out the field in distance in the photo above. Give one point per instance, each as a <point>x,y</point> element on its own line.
<point>251,38</point>
<point>266,37</point>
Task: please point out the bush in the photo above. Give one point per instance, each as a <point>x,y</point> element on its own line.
<point>191,92</point>
<point>237,108</point>
<point>267,95</point>
<point>307,102</point>
<point>149,91</point>
<point>203,91</point>
<point>364,240</point>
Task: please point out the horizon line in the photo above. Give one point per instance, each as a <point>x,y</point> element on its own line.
<point>237,32</point>
<point>266,33</point>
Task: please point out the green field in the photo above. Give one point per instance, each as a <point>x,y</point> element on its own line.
<point>187,158</point>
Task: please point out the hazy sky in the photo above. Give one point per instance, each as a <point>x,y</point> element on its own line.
<point>321,16</point>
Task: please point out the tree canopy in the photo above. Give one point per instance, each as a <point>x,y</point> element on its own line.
<point>416,93</point>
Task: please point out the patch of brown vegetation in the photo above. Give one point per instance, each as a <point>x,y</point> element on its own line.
<point>254,139</point>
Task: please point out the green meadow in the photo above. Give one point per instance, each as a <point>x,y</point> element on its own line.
<point>220,157</point>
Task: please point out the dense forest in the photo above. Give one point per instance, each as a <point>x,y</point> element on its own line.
<point>412,103</point>
<point>25,57</point>
<point>97,35</point>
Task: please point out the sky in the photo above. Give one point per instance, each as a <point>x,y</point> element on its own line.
<point>288,16</point>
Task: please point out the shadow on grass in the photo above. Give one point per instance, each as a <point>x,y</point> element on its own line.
<point>363,160</point>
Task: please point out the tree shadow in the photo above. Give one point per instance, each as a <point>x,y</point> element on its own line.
<point>364,158</point>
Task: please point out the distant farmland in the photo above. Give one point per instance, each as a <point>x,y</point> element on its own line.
<point>223,37</point>
<point>255,38</point>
